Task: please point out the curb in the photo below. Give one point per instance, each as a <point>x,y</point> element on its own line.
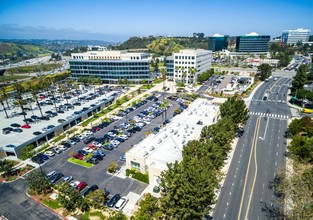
<point>36,200</point>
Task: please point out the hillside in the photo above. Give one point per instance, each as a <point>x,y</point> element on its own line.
<point>164,45</point>
<point>11,49</point>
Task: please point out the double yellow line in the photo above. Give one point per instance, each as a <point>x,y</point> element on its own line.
<point>253,150</point>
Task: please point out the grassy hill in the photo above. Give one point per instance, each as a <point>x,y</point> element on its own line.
<point>12,52</point>
<point>163,45</point>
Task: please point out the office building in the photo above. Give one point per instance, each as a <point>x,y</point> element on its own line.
<point>187,64</point>
<point>295,36</point>
<point>152,154</point>
<point>218,42</point>
<point>111,66</point>
<point>252,43</point>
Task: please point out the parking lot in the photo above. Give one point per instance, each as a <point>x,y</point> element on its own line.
<point>98,173</point>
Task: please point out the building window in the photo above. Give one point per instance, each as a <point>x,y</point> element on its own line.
<point>135,165</point>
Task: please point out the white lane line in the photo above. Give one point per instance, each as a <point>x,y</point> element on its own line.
<point>276,163</point>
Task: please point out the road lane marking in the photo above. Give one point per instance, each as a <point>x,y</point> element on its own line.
<point>249,162</point>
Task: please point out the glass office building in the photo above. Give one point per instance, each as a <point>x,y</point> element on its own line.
<point>252,43</point>
<point>170,67</point>
<point>218,42</point>
<point>295,36</point>
<point>111,66</point>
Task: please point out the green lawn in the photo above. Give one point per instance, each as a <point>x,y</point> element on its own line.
<point>52,204</point>
<point>80,162</point>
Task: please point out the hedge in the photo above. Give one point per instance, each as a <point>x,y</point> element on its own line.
<point>80,162</point>
<point>138,175</point>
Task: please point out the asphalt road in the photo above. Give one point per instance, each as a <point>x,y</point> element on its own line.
<point>16,205</point>
<point>97,174</point>
<point>259,153</point>
<point>206,85</point>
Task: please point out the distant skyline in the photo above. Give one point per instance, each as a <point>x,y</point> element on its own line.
<point>117,20</point>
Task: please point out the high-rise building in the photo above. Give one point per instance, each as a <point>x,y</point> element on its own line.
<point>111,66</point>
<point>252,43</point>
<point>187,64</point>
<point>295,36</point>
<point>218,42</point>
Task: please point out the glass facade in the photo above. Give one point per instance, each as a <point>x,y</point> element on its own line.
<point>110,71</point>
<point>218,43</point>
<point>252,43</point>
<point>170,67</point>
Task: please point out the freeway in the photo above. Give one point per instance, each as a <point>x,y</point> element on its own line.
<point>259,153</point>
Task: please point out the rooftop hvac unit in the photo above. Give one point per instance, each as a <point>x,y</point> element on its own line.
<point>151,148</point>
<point>146,154</point>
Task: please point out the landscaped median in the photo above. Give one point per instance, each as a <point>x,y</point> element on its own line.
<point>80,162</point>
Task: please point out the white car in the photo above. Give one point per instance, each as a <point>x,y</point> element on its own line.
<point>88,150</point>
<point>97,144</point>
<point>81,137</point>
<point>71,142</point>
<point>88,132</point>
<point>57,150</point>
<point>124,136</point>
<point>74,184</point>
<point>112,134</point>
<point>62,147</point>
<point>49,153</point>
<point>121,203</point>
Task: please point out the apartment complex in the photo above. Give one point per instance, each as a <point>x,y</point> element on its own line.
<point>218,42</point>
<point>152,154</point>
<point>187,64</point>
<point>252,43</point>
<point>111,66</point>
<point>295,36</point>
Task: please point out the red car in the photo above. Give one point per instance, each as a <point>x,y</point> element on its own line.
<point>78,156</point>
<point>81,186</point>
<point>25,126</point>
<point>93,147</point>
<point>95,129</point>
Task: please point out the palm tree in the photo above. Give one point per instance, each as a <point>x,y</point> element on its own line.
<point>33,90</point>
<point>184,74</point>
<point>18,98</point>
<point>3,97</point>
<point>5,94</point>
<point>192,72</point>
<point>177,68</point>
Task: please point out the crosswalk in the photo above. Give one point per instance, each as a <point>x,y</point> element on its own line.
<point>269,100</point>
<point>270,115</point>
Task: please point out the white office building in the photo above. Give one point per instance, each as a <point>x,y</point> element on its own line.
<point>111,66</point>
<point>187,64</point>
<point>152,154</point>
<point>294,36</point>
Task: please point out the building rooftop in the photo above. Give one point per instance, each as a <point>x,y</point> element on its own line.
<point>166,146</point>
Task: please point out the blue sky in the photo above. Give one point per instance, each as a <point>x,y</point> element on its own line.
<point>115,20</point>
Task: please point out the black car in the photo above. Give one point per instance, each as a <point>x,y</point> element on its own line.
<point>44,118</point>
<point>108,146</point>
<point>107,137</point>
<point>61,120</point>
<point>131,130</point>
<point>88,139</point>
<point>93,160</point>
<point>82,152</point>
<point>43,156</point>
<point>67,145</point>
<point>97,156</point>
<point>90,189</point>
<point>18,130</point>
<point>76,139</point>
<point>113,200</point>
<point>37,160</point>
<point>37,133</point>
<point>56,177</point>
<point>137,128</point>
<point>77,104</point>
<point>120,139</point>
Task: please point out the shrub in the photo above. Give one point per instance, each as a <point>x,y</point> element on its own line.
<point>138,175</point>
<point>80,162</point>
<point>112,167</point>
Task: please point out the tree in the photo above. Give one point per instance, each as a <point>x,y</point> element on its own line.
<point>302,148</point>
<point>148,209</point>
<point>38,182</point>
<point>27,152</point>
<point>96,198</point>
<point>300,78</point>
<point>3,98</point>
<point>295,127</point>
<point>264,71</point>
<point>236,109</point>
<point>6,166</point>
<point>117,216</point>
<point>112,167</point>
<point>193,72</point>
<point>18,98</point>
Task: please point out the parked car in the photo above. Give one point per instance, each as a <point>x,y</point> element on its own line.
<point>121,203</point>
<point>97,156</point>
<point>51,174</point>
<point>108,146</point>
<point>113,200</point>
<point>81,186</point>
<point>93,160</point>
<point>90,189</point>
<point>88,139</point>
<point>78,156</point>
<point>123,158</point>
<point>43,156</point>
<point>82,152</point>
<point>49,153</point>
<point>88,150</point>
<point>56,177</point>
<point>37,160</point>
<point>62,147</point>
<point>67,179</point>
<point>57,150</point>
<point>99,152</point>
